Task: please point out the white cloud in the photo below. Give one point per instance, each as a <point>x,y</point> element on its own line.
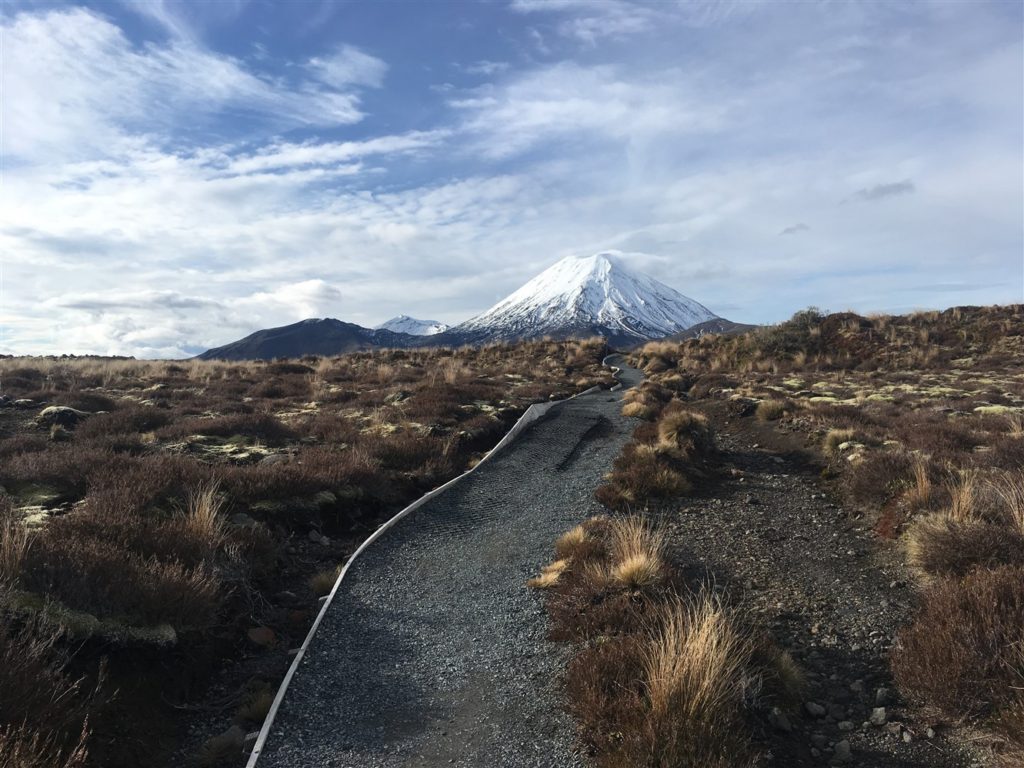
<point>76,88</point>
<point>348,66</point>
<point>567,99</point>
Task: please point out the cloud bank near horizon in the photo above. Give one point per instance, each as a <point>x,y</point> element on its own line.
<point>177,175</point>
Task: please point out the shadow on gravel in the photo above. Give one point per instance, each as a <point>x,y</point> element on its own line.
<point>376,693</point>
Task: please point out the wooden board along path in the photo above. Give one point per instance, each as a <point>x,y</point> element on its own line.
<point>431,651</point>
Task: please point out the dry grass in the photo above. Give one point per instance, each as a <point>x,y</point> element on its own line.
<point>836,437</point>
<point>14,544</point>
<point>658,679</point>
<point>204,518</point>
<point>942,545</point>
<point>322,582</point>
<point>696,674</point>
<point>771,410</point>
<point>666,459</point>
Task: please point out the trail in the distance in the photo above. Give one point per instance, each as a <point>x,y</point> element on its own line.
<point>433,652</point>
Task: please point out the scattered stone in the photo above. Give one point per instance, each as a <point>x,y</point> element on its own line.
<point>814,709</point>
<point>780,721</point>
<point>318,538</point>
<point>846,725</point>
<point>878,716</point>
<point>836,712</point>
<point>930,733</point>
<point>274,458</point>
<point>857,686</point>
<point>22,402</point>
<point>262,636</point>
<point>881,696</point>
<point>242,520</point>
<point>907,737</point>
<point>60,415</point>
<point>842,753</point>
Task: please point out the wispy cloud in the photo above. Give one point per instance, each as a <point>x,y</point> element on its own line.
<point>349,66</point>
<point>882,191</point>
<point>795,229</point>
<point>75,87</point>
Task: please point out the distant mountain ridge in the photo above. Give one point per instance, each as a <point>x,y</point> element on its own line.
<point>576,297</point>
<point>412,326</point>
<point>316,336</point>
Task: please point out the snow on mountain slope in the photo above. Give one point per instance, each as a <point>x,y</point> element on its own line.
<point>412,326</point>
<point>589,294</point>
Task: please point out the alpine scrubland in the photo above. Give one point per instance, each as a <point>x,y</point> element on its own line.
<point>915,426</point>
<point>163,522</point>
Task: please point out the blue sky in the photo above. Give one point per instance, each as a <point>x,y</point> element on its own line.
<point>179,174</point>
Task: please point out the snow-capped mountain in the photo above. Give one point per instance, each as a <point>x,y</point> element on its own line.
<point>577,297</point>
<point>587,295</point>
<point>412,326</point>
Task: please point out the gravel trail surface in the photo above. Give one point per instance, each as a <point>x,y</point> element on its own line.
<point>433,651</point>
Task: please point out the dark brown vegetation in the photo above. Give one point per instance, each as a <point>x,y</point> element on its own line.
<point>663,674</point>
<point>669,456</point>
<point>192,512</point>
<point>920,421</point>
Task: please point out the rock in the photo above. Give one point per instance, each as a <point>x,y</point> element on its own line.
<point>818,740</point>
<point>318,538</point>
<point>836,712</point>
<point>846,725</point>
<point>24,403</point>
<point>881,696</point>
<point>780,721</point>
<point>262,636</point>
<point>274,458</point>
<point>242,520</point>
<point>842,753</point>
<point>930,733</point>
<point>907,737</point>
<point>60,415</point>
<point>857,686</point>
<point>878,716</point>
<point>814,709</point>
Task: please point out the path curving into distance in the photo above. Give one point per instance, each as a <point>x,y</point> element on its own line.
<point>432,651</point>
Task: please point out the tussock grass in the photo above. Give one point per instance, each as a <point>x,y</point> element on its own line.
<point>836,437</point>
<point>696,673</point>
<point>667,460</point>
<point>662,675</point>
<point>771,410</point>
<point>322,582</point>
<point>14,544</point>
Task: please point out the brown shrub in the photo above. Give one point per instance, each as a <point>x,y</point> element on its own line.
<point>43,709</point>
<point>941,545</point>
<point>881,476</point>
<point>103,579</point>
<point>258,426</point>
<point>129,420</point>
<point>961,652</point>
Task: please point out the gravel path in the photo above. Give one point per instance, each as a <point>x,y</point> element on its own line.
<point>433,652</point>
